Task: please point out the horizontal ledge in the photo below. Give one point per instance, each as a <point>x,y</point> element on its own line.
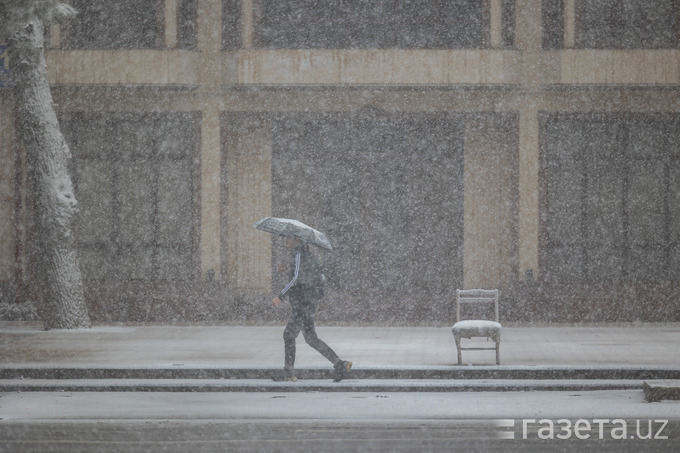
<point>372,86</point>
<point>126,86</point>
<point>309,385</point>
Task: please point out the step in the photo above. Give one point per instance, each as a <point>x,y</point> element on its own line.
<point>311,385</point>
<point>180,371</point>
<point>661,390</point>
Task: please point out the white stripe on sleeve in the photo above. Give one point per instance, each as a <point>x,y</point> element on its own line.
<point>295,276</point>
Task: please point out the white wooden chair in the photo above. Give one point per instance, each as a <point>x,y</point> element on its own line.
<point>477,327</point>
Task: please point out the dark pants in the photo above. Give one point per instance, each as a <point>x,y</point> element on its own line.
<point>302,319</point>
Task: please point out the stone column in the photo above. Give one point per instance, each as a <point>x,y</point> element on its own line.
<point>569,24</point>
<point>528,40</point>
<point>489,212</point>
<point>209,44</point>
<point>247,21</point>
<point>496,23</point>
<point>528,191</point>
<point>170,24</point>
<point>55,36</point>
<point>249,188</point>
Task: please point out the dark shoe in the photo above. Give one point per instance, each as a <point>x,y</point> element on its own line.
<point>284,375</point>
<point>341,370</point>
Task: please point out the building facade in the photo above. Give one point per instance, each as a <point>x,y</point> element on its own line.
<point>526,145</point>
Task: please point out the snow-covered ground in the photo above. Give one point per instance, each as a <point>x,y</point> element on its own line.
<point>608,404</point>
<point>261,346</point>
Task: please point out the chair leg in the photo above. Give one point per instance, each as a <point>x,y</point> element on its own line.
<point>460,356</point>
<point>498,353</point>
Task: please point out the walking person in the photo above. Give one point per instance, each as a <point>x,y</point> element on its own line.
<point>304,292</point>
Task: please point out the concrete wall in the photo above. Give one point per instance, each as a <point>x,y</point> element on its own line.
<point>502,180</point>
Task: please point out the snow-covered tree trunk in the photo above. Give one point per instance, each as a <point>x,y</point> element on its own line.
<point>57,269</point>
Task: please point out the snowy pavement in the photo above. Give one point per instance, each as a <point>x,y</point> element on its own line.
<point>612,404</point>
<point>602,421</point>
<point>643,345</point>
<point>400,359</point>
<point>117,388</point>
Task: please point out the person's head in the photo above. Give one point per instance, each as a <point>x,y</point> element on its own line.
<point>291,242</point>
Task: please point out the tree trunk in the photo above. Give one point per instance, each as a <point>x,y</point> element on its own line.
<point>56,271</point>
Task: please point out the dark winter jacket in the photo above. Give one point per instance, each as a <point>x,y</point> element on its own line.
<point>306,276</point>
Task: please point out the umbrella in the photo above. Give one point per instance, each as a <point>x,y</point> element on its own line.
<point>293,228</point>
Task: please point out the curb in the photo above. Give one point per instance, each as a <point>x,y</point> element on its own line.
<point>312,385</point>
<point>181,378</point>
<point>412,373</point>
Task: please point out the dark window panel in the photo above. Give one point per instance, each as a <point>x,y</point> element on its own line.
<point>136,193</point>
<point>553,24</point>
<point>231,24</point>
<point>626,24</point>
<point>610,201</point>
<point>187,26</point>
<point>120,24</point>
<point>376,24</point>
<point>376,181</point>
<point>509,23</point>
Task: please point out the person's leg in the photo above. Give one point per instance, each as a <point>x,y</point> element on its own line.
<point>342,367</point>
<point>312,339</point>
<point>290,333</point>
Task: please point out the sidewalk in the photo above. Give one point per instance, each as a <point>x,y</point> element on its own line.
<point>233,355</point>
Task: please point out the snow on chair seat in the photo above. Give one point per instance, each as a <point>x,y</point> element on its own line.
<point>477,327</point>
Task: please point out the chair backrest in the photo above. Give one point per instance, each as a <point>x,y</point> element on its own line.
<point>476,296</point>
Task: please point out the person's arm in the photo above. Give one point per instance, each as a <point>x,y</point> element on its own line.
<point>277,299</point>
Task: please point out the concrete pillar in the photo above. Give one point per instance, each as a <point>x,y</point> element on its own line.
<point>209,44</point>
<point>55,36</point>
<point>489,209</point>
<point>170,24</point>
<point>247,24</point>
<point>529,20</point>
<point>528,191</point>
<point>569,24</point>
<point>248,198</point>
<point>496,22</point>
<point>210,190</point>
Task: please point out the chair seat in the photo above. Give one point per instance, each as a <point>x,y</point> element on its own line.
<point>477,328</point>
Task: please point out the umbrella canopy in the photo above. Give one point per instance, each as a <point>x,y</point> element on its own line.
<point>293,228</point>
